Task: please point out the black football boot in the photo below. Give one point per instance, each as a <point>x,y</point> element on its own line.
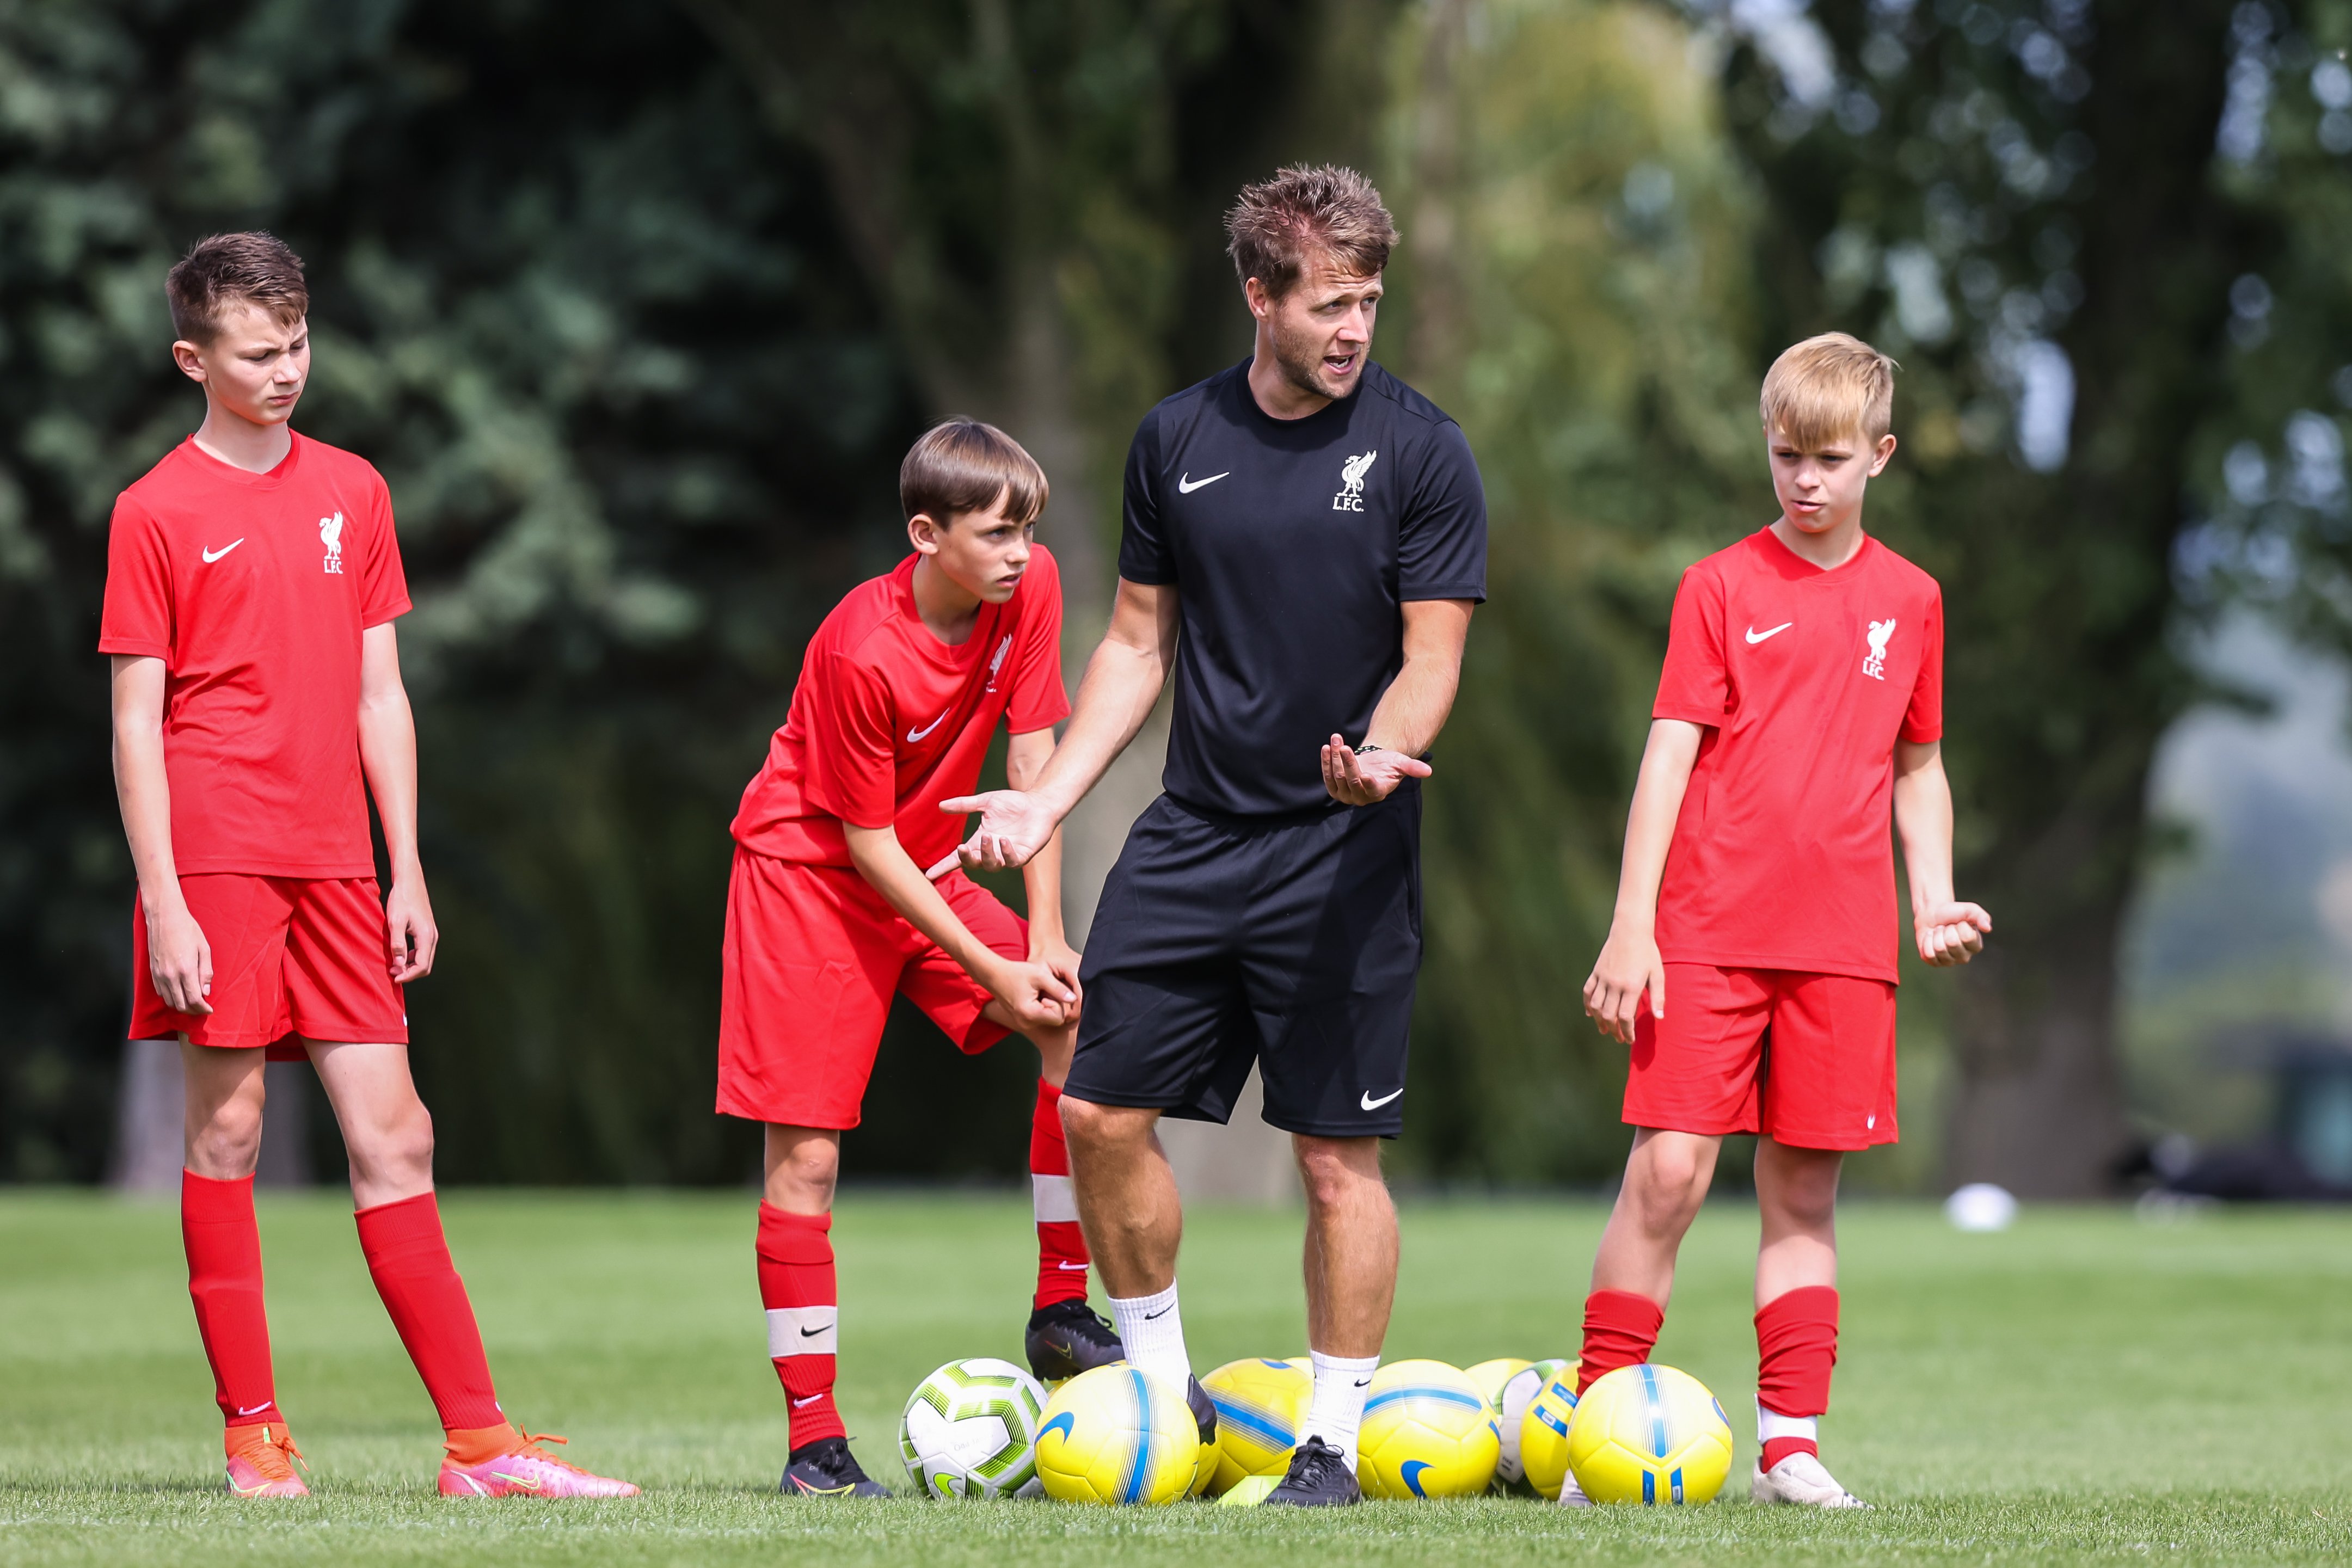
<point>826,1469</point>
<point>1318,1478</point>
<point>1204,1410</point>
<point>1068,1338</point>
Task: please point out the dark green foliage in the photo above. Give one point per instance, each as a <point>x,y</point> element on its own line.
<point>640,430</point>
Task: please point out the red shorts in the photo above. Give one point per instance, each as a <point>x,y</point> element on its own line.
<point>1805,1059</point>
<point>291,957</point>
<point>813,957</point>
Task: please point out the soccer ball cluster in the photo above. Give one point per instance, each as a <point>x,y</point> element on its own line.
<point>982,1429</point>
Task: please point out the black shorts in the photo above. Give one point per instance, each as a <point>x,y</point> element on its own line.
<point>1291,944</point>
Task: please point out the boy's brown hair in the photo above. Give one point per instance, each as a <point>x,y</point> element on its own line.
<point>1827,388</point>
<point>1279,225</point>
<point>963,465</point>
<point>221,270</point>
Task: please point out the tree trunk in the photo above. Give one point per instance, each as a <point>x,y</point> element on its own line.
<point>2064,719</point>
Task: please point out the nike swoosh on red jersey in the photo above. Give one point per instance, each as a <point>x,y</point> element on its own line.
<point>915,735</point>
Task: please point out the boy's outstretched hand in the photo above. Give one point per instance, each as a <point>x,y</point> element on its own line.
<point>1951,932</point>
<point>1629,965</point>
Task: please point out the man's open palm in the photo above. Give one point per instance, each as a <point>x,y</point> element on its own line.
<point>1013,826</point>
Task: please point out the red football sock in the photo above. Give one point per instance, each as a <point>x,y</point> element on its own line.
<point>409,1259</point>
<point>1620,1327</point>
<point>796,1287</point>
<point>1061,1246</point>
<point>1796,1350</point>
<point>224,1282</point>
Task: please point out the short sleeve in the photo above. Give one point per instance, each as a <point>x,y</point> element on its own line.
<point>1696,685</point>
<point>1442,538</point>
<point>384,589</point>
<point>137,619</point>
<point>1143,553</point>
<point>851,764</point>
<point>1038,700</point>
<point>1923,720</point>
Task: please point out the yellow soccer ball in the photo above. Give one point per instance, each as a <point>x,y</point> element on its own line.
<point>1543,1434</point>
<point>1511,1404</point>
<point>1114,1434</point>
<point>1259,1406</point>
<point>1427,1432</point>
<point>1649,1434</point>
<point>1490,1376</point>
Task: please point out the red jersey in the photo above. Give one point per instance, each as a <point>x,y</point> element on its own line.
<point>254,589</point>
<point>888,721</point>
<point>1804,679</point>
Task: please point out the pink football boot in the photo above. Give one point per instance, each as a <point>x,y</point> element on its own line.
<point>261,1461</point>
<point>529,1471</point>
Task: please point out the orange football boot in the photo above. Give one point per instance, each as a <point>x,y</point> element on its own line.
<point>261,1460</point>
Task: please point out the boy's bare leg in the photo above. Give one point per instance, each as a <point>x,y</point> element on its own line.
<point>224,1097</point>
<point>799,1294</point>
<point>802,1168</point>
<point>1666,1179</point>
<point>1352,1245</point>
<point>1796,1323</point>
<point>387,1132</point>
<point>1128,1202</point>
<point>1796,1197</point>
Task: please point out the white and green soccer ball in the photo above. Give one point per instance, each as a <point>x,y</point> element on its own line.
<point>971,1431</point>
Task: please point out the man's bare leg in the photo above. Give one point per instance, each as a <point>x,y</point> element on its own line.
<point>1351,1269</point>
<point>1134,1222</point>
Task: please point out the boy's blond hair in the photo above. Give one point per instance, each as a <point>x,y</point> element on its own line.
<point>1828,388</point>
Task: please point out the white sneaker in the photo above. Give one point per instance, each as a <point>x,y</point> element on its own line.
<point>1571,1494</point>
<point>1800,1479</point>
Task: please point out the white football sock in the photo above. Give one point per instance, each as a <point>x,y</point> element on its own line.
<point>1152,1330</point>
<point>1337,1408</point>
<point>1772,1424</point>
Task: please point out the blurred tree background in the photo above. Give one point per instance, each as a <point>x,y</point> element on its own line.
<point>637,305</point>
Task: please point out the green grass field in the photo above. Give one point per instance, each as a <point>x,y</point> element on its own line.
<point>2083,1388</point>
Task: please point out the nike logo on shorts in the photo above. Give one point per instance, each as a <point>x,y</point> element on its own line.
<point>915,735</point>
<point>1369,1104</point>
<point>1754,636</point>
<point>1187,485</point>
<point>213,555</point>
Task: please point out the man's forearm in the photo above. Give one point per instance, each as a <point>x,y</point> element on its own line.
<point>1121,684</point>
<point>1416,706</point>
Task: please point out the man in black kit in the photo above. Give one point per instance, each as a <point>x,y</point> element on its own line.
<point>1305,539</point>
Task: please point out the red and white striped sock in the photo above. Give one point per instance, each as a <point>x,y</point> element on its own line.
<point>1062,1256</point>
<point>1796,1351</point>
<point>796,1287</point>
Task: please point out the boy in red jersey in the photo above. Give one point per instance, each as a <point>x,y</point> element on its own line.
<point>252,580</point>
<point>846,891</point>
<point>1802,692</point>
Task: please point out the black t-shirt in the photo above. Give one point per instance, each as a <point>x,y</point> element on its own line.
<point>1291,544</point>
